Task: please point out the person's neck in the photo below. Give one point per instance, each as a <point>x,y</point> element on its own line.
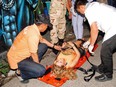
<point>40,28</point>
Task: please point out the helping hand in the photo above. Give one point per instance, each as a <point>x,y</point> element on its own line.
<point>90,48</point>
<point>86,44</point>
<point>57,47</point>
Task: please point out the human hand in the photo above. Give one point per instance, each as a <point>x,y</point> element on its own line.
<point>64,44</point>
<point>90,48</point>
<point>86,44</point>
<point>70,43</point>
<point>70,15</point>
<point>57,47</point>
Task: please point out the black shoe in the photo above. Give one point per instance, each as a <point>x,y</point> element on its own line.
<point>21,79</point>
<point>24,81</point>
<point>61,41</point>
<point>102,78</point>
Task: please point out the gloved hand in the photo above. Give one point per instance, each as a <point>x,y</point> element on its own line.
<point>90,48</point>
<point>86,44</point>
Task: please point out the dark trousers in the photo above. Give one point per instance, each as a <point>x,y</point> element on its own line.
<point>30,69</point>
<point>107,51</point>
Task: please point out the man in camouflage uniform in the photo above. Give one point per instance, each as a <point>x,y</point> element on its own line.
<point>57,18</point>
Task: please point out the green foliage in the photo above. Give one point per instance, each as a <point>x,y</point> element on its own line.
<point>39,8</point>
<point>4,67</point>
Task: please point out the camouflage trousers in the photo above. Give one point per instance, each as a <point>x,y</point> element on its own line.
<point>59,28</point>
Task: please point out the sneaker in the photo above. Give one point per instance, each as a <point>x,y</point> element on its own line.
<point>102,78</point>
<point>24,81</point>
<point>21,79</point>
<point>11,73</point>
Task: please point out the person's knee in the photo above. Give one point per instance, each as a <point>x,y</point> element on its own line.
<point>40,71</point>
<point>43,70</point>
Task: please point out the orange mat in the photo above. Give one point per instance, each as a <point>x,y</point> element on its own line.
<point>49,79</point>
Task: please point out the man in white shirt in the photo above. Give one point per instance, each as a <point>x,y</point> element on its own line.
<point>100,17</point>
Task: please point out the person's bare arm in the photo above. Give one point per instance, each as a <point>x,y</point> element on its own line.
<point>68,5</point>
<point>75,49</point>
<point>43,40</point>
<point>93,33</point>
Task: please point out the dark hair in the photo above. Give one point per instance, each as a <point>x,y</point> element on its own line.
<point>38,24</point>
<point>41,18</point>
<point>78,3</point>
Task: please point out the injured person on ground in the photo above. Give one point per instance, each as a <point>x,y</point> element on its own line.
<point>64,64</point>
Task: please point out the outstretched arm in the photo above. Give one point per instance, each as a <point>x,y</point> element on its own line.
<point>43,40</point>
<point>93,33</point>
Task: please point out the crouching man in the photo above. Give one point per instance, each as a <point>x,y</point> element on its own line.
<point>26,52</point>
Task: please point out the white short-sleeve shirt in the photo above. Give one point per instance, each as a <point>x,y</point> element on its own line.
<point>104,16</point>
